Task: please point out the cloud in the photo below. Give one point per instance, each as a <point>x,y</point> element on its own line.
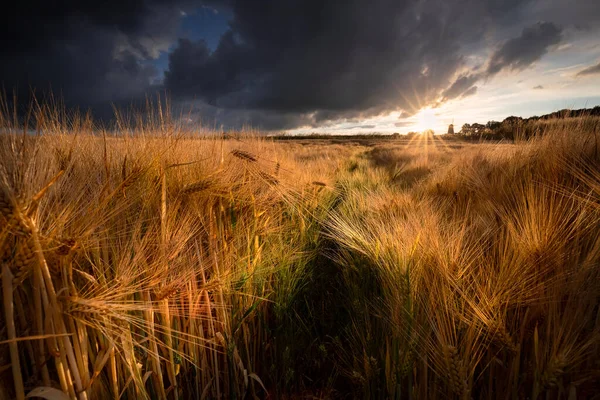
<point>326,62</point>
<point>538,87</point>
<point>209,115</point>
<point>591,70</point>
<point>279,65</point>
<point>515,54</point>
<point>462,86</point>
<point>319,58</point>
<point>361,127</point>
<point>519,53</point>
<point>92,54</point>
<point>580,16</point>
<point>471,91</point>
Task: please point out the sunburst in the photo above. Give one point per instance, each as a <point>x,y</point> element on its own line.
<point>426,120</point>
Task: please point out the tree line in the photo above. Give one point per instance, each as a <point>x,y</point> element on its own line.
<point>520,128</point>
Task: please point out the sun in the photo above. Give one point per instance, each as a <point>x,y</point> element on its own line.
<point>426,120</point>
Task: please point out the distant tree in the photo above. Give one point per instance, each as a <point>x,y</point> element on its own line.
<point>512,120</point>
<point>451,129</point>
<point>395,135</point>
<point>514,127</point>
<point>510,127</point>
<point>477,128</point>
<point>466,130</point>
<point>493,125</point>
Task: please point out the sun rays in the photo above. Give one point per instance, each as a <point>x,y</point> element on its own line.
<point>426,120</point>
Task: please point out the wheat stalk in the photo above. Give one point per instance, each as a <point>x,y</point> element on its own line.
<point>271,180</point>
<point>7,290</point>
<point>244,155</point>
<point>196,187</point>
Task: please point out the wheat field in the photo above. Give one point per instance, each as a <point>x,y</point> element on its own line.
<point>149,262</point>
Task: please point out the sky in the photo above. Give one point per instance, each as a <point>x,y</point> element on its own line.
<point>306,66</point>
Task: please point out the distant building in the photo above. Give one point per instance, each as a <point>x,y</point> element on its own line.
<point>451,129</point>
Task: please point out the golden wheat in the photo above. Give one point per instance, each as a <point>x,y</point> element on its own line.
<point>149,265</point>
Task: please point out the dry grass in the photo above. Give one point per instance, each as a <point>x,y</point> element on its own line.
<point>157,265</point>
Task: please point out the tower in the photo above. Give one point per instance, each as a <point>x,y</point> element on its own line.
<point>451,129</point>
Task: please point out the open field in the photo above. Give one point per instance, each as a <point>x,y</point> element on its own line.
<point>155,265</point>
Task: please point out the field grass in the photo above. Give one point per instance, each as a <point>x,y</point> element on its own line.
<point>147,263</point>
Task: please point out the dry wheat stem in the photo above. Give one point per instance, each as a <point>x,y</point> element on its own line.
<point>7,289</point>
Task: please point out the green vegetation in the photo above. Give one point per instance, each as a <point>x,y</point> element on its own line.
<point>157,265</point>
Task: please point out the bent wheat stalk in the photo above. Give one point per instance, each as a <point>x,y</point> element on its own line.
<point>7,289</point>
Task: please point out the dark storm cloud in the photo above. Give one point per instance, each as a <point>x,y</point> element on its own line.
<point>579,15</point>
<point>280,64</point>
<point>520,52</point>
<point>592,70</point>
<point>326,61</point>
<point>234,119</point>
<point>91,53</point>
